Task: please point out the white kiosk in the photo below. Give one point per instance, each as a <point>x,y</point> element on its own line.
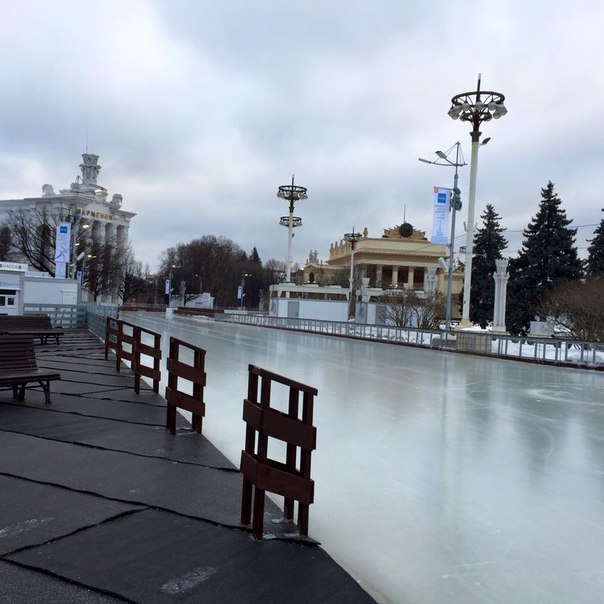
<point>12,285</point>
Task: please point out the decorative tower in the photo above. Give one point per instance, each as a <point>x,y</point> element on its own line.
<point>90,169</point>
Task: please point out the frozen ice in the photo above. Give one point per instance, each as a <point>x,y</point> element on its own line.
<point>439,477</point>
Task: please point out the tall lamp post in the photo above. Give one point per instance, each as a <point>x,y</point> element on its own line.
<point>352,238</point>
<point>169,285</point>
<point>242,292</point>
<point>454,206</point>
<point>474,107</point>
<point>291,193</point>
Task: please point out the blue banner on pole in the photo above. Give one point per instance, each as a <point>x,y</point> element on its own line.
<point>440,216</point>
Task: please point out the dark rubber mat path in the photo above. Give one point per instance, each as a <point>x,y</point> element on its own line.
<point>100,504</point>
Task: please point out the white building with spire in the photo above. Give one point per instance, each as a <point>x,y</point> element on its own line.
<point>86,205</point>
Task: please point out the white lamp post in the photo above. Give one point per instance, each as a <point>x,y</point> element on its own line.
<point>242,292</point>
<point>352,238</point>
<point>291,193</point>
<point>475,107</point>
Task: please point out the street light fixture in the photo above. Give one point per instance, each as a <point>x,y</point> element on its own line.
<point>352,238</point>
<point>474,107</point>
<point>291,193</point>
<point>455,205</point>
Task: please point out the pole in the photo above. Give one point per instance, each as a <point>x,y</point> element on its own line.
<point>75,221</point>
<point>169,292</point>
<point>351,301</point>
<point>467,279</point>
<point>242,289</point>
<point>290,233</point>
<point>454,207</point>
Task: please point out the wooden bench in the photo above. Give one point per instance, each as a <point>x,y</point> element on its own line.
<point>18,367</point>
<point>38,326</point>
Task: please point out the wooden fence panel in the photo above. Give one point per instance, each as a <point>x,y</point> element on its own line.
<point>294,427</point>
<point>195,374</point>
<point>153,351</point>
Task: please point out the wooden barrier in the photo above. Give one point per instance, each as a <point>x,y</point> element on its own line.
<point>194,373</point>
<point>111,336</point>
<point>154,351</point>
<point>260,473</point>
<point>125,336</point>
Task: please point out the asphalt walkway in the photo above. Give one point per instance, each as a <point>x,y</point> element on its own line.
<point>99,503</point>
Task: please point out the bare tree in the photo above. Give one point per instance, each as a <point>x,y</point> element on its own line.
<point>218,261</point>
<point>576,307</point>
<point>5,245</point>
<point>406,308</point>
<point>32,235</point>
<point>133,280</point>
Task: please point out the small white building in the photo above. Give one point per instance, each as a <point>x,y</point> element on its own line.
<point>326,303</point>
<point>12,286</point>
<point>20,286</point>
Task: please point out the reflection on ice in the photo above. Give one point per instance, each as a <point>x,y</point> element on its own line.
<point>439,477</point>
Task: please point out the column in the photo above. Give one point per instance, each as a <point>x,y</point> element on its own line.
<point>430,279</point>
<point>410,277</point>
<point>378,275</point>
<point>394,276</point>
<point>501,277</point>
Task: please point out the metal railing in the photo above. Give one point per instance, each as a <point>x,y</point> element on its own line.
<point>96,317</point>
<point>547,350</point>
<point>67,316</point>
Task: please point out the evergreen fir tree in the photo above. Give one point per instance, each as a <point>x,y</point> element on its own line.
<point>595,258</point>
<point>254,256</point>
<point>488,245</point>
<point>548,258</point>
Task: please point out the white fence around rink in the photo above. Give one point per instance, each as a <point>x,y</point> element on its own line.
<point>96,317</point>
<point>551,350</point>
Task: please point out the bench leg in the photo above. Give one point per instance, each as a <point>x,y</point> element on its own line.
<point>15,391</point>
<point>46,388</point>
<point>21,396</point>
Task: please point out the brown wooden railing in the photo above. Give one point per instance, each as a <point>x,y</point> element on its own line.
<point>294,427</point>
<point>153,351</point>
<point>194,373</point>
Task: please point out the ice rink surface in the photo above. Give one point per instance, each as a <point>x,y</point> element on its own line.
<point>439,477</point>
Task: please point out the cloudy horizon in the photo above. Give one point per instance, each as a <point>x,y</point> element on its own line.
<point>200,110</point>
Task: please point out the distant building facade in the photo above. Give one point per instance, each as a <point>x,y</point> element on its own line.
<point>402,258</point>
<point>85,204</point>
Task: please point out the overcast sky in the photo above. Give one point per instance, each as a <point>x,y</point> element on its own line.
<point>200,109</point>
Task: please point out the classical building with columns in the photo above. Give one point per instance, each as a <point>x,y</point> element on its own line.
<point>86,205</point>
<point>401,258</point>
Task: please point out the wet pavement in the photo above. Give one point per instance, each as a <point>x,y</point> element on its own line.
<point>99,503</point>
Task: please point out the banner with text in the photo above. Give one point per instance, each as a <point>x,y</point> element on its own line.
<point>62,249</point>
<point>440,216</point>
